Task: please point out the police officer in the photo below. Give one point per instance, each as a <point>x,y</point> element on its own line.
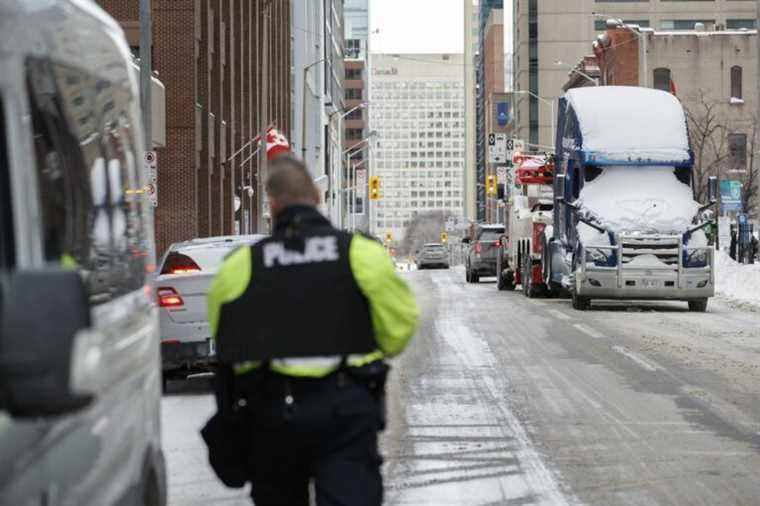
<point>304,320</point>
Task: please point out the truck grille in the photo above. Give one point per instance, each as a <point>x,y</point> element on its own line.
<point>665,248</point>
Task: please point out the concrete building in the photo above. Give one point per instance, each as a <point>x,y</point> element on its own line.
<point>419,154</point>
<point>713,73</point>
<point>208,53</point>
<point>356,13</point>
<point>549,34</point>
<point>471,49</point>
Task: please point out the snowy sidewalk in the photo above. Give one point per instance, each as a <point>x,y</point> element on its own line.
<point>737,281</point>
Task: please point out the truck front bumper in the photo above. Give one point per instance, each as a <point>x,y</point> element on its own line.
<point>644,284</point>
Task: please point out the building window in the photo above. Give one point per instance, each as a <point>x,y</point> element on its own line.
<point>736,82</point>
<point>737,151</point>
<point>354,94</point>
<point>687,24</point>
<point>353,48</point>
<point>601,24</point>
<point>738,24</point>
<point>353,73</point>
<point>662,79</point>
<point>354,133</point>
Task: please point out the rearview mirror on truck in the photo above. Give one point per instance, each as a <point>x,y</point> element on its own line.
<point>41,315</point>
<point>712,189</point>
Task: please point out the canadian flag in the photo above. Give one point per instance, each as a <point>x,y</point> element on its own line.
<point>277,144</point>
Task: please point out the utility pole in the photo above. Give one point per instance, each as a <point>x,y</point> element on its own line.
<point>263,113</point>
<point>146,71</point>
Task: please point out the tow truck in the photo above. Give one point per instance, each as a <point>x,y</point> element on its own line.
<point>521,254</point>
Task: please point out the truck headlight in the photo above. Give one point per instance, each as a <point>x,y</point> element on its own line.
<point>600,257</point>
<point>696,258</point>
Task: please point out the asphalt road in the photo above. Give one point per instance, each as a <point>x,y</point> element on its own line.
<point>505,400</point>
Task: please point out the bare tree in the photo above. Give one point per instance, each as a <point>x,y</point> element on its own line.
<point>708,141</point>
<point>751,176</point>
<point>424,228</point>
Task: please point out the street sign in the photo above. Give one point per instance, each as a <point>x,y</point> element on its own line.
<point>514,146</point>
<point>361,179</point>
<point>150,168</point>
<point>724,232</point>
<point>730,196</point>
<point>501,174</point>
<point>497,148</point>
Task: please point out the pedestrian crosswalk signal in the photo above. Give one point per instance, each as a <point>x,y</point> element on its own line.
<point>374,188</point>
<point>491,185</point>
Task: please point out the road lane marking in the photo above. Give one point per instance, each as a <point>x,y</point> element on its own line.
<point>559,314</point>
<point>588,331</point>
<point>634,357</point>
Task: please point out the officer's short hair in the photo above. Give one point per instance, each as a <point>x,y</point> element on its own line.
<point>290,183</point>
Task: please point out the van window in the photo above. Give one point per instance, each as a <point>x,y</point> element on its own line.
<point>7,254</point>
<point>85,164</point>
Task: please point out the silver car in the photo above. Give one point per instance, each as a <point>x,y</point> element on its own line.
<point>433,256</point>
<point>185,276</point>
<point>80,419</point>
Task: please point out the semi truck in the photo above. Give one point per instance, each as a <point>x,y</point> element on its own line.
<point>625,222</point>
<point>528,216</point>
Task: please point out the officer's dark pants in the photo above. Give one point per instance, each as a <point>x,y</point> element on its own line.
<point>328,434</point>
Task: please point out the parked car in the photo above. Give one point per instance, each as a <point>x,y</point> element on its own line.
<point>433,256</point>
<point>185,276</point>
<point>80,416</point>
<point>481,250</point>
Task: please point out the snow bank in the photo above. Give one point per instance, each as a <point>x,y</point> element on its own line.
<point>643,199</point>
<point>737,281</point>
<point>626,123</point>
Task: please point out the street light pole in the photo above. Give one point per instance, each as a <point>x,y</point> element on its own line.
<point>263,121</point>
<point>146,71</point>
<point>303,112</point>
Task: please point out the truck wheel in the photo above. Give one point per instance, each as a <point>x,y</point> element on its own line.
<point>580,303</point>
<point>475,278</point>
<point>698,306</point>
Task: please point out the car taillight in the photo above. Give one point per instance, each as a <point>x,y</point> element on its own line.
<point>177,263</point>
<point>497,243</point>
<point>477,248</point>
<point>168,297</point>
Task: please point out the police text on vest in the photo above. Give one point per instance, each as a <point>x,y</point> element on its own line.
<point>318,249</point>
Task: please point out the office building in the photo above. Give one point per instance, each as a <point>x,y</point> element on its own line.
<point>471,49</point>
<point>419,154</point>
<point>356,14</point>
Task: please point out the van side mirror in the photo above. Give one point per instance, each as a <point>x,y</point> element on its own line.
<point>42,314</point>
<point>712,189</point>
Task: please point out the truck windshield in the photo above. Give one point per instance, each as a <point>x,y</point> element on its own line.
<point>648,199</point>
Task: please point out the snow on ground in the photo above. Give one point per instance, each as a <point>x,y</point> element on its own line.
<point>654,127</point>
<point>737,281</point>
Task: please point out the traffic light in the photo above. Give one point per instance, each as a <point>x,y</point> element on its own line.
<point>388,237</point>
<point>491,185</point>
<point>374,188</point>
<point>444,237</point>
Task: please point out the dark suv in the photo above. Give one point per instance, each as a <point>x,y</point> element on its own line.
<point>480,257</point>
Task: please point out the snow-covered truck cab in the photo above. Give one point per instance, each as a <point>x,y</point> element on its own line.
<point>626,225</point>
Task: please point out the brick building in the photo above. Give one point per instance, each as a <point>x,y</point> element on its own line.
<point>209,53</point>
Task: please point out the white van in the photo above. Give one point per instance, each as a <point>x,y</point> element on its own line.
<point>80,372</point>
